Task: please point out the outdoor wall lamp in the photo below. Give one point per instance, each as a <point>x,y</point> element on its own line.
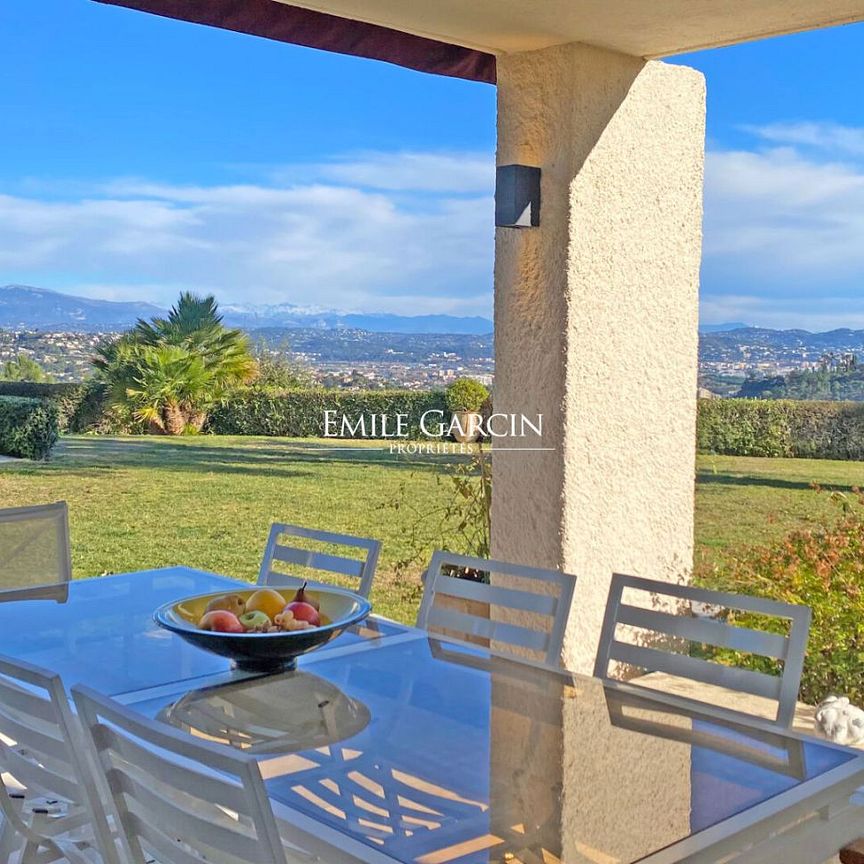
<point>517,196</point>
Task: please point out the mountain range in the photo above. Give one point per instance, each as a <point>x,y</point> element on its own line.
<point>770,342</point>
<point>23,307</point>
<point>722,328</point>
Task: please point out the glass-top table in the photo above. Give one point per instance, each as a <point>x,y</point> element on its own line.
<point>417,750</point>
<point>102,633</point>
<point>396,748</point>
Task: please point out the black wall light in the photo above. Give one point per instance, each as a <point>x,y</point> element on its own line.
<point>517,196</point>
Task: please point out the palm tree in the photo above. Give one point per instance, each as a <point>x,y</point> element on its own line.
<point>168,372</point>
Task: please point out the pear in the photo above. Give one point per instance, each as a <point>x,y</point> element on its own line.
<point>229,602</point>
<point>303,596</point>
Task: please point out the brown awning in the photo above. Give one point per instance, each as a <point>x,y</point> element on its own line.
<point>285,23</point>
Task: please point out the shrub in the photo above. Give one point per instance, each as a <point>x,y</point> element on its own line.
<point>80,407</point>
<point>466,394</point>
<point>460,522</point>
<point>756,427</point>
<point>821,567</point>
<point>23,368</point>
<point>300,413</point>
<point>28,427</point>
<point>87,410</point>
<point>276,373</point>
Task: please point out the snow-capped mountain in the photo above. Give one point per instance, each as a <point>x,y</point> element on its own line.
<point>26,307</point>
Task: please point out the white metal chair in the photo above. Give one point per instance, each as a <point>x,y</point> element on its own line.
<point>534,619</point>
<point>279,552</point>
<point>35,559</point>
<point>50,805</point>
<point>179,799</point>
<point>660,632</point>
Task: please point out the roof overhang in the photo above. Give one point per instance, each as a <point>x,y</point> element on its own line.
<point>462,37</point>
<point>300,26</point>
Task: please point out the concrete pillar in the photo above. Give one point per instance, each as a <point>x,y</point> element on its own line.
<point>596,321</point>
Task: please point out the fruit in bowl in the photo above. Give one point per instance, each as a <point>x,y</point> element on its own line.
<point>265,611</point>
<point>285,620</point>
<point>266,600</point>
<point>302,611</point>
<point>304,596</point>
<point>230,602</point>
<point>256,621</point>
<point>221,621</point>
<point>276,626</point>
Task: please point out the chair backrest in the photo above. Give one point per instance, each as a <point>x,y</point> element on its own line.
<point>693,619</point>
<point>34,552</point>
<point>41,747</point>
<point>280,556</point>
<point>523,615</point>
<point>179,799</point>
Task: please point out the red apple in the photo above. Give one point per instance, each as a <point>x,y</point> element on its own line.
<point>303,611</point>
<point>221,621</point>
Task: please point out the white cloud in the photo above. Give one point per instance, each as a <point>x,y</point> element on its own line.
<point>784,228</point>
<point>825,136</point>
<point>327,244</point>
<point>407,171</point>
<point>411,232</point>
<point>782,214</point>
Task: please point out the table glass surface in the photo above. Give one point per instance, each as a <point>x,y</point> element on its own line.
<point>103,634</point>
<point>432,753</point>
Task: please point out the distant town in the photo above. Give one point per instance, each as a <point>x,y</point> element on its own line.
<point>344,358</point>
<point>730,358</point>
<point>374,351</point>
<point>359,359</point>
<point>60,332</point>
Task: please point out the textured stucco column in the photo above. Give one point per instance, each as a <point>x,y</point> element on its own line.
<point>596,321</point>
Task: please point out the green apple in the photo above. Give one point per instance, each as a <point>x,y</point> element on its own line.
<point>255,620</point>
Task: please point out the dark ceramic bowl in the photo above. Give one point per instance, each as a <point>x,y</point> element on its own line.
<point>264,652</point>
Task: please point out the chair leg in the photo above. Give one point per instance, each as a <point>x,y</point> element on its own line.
<point>31,849</point>
<point>10,842</point>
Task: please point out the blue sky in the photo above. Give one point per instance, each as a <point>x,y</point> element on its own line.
<point>140,156</point>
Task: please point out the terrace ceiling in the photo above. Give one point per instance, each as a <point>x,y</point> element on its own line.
<point>644,28</point>
<point>462,37</point>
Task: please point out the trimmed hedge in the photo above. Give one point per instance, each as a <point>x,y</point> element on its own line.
<point>731,427</point>
<point>80,407</point>
<point>29,428</point>
<point>734,427</point>
<point>300,413</point>
<point>785,428</point>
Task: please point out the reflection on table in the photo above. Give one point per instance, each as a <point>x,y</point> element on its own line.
<point>436,753</point>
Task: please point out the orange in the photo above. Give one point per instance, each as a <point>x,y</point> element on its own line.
<point>266,600</point>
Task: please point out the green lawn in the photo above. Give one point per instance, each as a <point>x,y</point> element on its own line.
<point>208,501</point>
<point>744,501</point>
